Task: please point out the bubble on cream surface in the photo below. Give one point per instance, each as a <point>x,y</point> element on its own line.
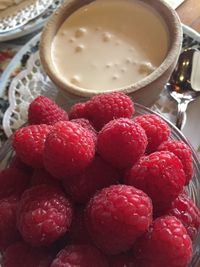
<point>76,80</point>
<point>79,48</point>
<point>106,53</point>
<point>80,32</point>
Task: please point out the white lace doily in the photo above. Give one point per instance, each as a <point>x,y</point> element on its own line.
<point>22,16</point>
<point>26,86</point>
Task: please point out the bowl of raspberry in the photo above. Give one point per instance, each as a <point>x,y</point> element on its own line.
<point>108,183</point>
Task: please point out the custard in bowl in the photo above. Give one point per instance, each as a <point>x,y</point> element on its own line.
<point>90,47</point>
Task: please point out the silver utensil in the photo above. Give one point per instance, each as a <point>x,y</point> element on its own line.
<point>184,84</point>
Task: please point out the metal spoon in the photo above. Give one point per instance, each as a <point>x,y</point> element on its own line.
<point>184,84</point>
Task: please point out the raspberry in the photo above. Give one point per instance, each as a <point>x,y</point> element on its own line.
<point>78,233</point>
<point>165,244</point>
<point>87,125</point>
<point>97,175</point>
<point>69,148</point>
<point>45,111</point>
<point>122,260</point>
<point>18,164</point>
<point>160,175</point>
<point>184,209</point>
<point>79,255</point>
<point>13,182</point>
<point>77,111</point>
<point>44,215</point>
<point>156,129</point>
<point>28,143</point>
<point>8,228</point>
<point>183,152</point>
<point>121,142</point>
<point>40,176</point>
<point>21,254</point>
<point>116,216</point>
<point>105,107</point>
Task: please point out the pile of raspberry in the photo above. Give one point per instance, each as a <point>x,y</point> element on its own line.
<point>96,187</point>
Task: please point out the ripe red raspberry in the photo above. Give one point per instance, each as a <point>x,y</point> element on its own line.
<point>77,111</point>
<point>69,148</point>
<point>21,254</point>
<point>97,175</point>
<point>40,176</point>
<point>87,125</point>
<point>45,111</point>
<point>184,209</point>
<point>121,142</point>
<point>79,255</point>
<point>160,175</point>
<point>165,244</point>
<point>13,182</point>
<point>183,152</point>
<point>8,229</point>
<point>44,215</point>
<point>116,216</point>
<point>28,143</point>
<point>105,107</point>
<point>156,129</point>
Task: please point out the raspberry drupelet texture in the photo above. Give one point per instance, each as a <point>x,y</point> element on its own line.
<point>116,216</point>
<point>45,111</point>
<point>184,209</point>
<point>165,244</point>
<point>156,129</point>
<point>21,254</point>
<point>28,143</point>
<point>103,108</point>
<point>97,175</point>
<point>77,111</point>
<point>69,148</point>
<point>183,152</point>
<point>121,142</point>
<point>44,215</point>
<point>8,228</point>
<point>13,182</point>
<point>160,175</point>
<point>87,125</point>
<point>79,255</point>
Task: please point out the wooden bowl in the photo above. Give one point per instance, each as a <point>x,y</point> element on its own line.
<point>145,91</point>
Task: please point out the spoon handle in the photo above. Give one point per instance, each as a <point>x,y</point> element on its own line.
<point>181,116</point>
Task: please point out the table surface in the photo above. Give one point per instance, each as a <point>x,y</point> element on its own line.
<point>189,13</point>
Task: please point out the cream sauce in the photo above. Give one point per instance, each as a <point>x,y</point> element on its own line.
<point>109,44</point>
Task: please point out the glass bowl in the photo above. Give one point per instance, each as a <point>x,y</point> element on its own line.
<point>193,188</point>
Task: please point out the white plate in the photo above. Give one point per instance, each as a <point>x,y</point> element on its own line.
<point>28,26</point>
